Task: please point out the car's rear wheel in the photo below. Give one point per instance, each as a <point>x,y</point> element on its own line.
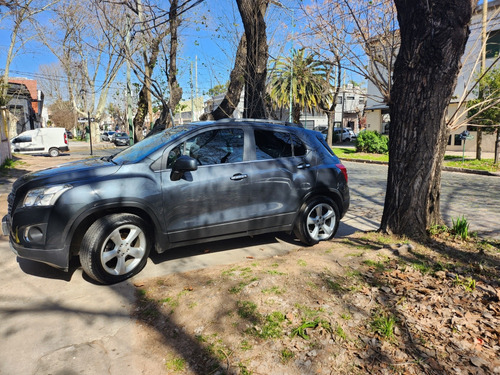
<point>318,220</point>
<point>115,248</point>
<point>53,152</point>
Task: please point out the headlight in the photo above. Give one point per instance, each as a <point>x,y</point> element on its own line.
<point>45,196</point>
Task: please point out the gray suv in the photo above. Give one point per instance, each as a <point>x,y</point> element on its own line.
<point>189,184</point>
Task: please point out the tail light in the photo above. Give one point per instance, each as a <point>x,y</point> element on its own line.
<point>65,138</point>
<point>343,170</point>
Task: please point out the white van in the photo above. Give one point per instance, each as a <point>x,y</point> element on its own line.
<point>50,141</point>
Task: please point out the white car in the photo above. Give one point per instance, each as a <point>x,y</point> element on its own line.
<point>347,134</point>
<point>52,141</point>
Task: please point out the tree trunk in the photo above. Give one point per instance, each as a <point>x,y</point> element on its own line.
<point>145,93</point>
<point>165,119</point>
<point>433,38</point>
<point>252,14</point>
<point>175,88</point>
<point>497,146</point>
<point>479,143</point>
<point>236,83</point>
<point>296,113</point>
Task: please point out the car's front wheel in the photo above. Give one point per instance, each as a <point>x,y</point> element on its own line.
<point>318,220</point>
<point>115,248</point>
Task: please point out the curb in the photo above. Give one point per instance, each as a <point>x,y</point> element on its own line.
<point>447,169</point>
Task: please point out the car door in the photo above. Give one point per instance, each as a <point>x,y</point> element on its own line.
<point>26,143</point>
<point>280,177</point>
<point>210,201</point>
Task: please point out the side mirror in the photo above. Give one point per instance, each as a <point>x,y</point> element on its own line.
<point>182,165</point>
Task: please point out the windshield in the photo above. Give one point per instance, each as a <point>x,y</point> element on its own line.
<point>148,145</point>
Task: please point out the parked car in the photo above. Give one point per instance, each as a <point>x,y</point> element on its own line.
<point>347,134</point>
<point>52,141</point>
<point>121,139</point>
<point>189,184</point>
<point>69,134</point>
<point>106,136</point>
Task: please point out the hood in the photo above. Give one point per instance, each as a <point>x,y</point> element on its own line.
<point>68,173</point>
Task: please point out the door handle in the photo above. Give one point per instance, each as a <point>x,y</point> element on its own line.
<point>239,176</point>
<point>303,166</point>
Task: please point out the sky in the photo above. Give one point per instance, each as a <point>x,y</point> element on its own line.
<point>209,47</point>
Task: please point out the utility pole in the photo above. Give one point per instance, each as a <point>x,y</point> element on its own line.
<point>192,100</point>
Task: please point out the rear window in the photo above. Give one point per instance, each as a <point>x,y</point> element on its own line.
<point>321,140</point>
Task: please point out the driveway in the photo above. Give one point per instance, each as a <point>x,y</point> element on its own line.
<point>62,323</point>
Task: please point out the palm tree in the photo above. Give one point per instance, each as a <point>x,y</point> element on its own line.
<point>308,83</point>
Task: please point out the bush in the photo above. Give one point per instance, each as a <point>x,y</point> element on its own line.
<point>372,142</point>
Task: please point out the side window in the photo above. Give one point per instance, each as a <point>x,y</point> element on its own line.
<point>299,149</point>
<point>216,146</point>
<point>272,145</point>
<point>23,138</point>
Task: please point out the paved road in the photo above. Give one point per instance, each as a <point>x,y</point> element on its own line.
<point>476,197</point>
<point>61,323</point>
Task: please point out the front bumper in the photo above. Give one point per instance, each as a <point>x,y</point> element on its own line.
<point>58,258</point>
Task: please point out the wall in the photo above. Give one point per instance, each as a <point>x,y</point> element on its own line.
<point>4,139</point>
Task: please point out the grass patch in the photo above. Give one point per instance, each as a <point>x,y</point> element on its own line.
<point>9,164</point>
<point>248,310</point>
<point>176,364</point>
<point>274,290</point>
<point>350,153</point>
<point>286,355</point>
<point>487,165</point>
<point>480,165</point>
<point>383,324</point>
<point>468,283</point>
<point>301,330</point>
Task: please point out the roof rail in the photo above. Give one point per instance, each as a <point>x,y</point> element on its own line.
<point>264,121</point>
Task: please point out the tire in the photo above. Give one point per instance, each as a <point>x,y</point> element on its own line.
<point>53,152</point>
<point>115,248</point>
<point>318,220</point>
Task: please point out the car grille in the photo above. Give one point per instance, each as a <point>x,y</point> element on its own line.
<point>11,199</point>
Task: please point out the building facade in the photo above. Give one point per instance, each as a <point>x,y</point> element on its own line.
<point>377,111</point>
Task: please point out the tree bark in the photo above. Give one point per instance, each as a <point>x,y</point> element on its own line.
<point>479,143</point>
<point>175,88</point>
<point>165,119</point>
<point>145,94</point>
<point>497,147</point>
<point>433,38</point>
<point>236,83</point>
<point>252,14</point>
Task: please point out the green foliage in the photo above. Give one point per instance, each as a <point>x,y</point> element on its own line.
<point>460,227</point>
<point>481,109</point>
<point>302,329</point>
<point>286,355</point>
<point>218,89</point>
<point>372,142</point>
<point>176,364</point>
<point>469,284</point>
<point>248,310</point>
<point>272,326</point>
<point>438,229</point>
<point>7,164</point>
<point>307,82</point>
<point>383,324</point>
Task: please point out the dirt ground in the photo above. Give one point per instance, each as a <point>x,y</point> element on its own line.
<point>366,304</point>
<point>361,305</point>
